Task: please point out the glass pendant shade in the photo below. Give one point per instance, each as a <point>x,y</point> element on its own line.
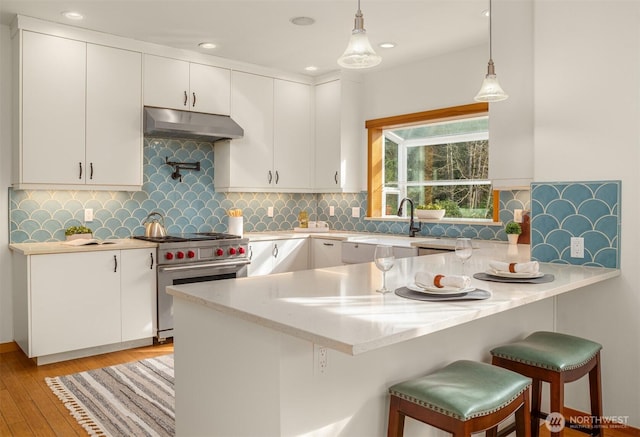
<point>490,91</point>
<point>359,53</point>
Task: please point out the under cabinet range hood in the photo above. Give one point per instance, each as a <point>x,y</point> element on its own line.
<point>172,123</point>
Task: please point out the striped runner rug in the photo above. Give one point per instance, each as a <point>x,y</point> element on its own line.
<point>133,399</point>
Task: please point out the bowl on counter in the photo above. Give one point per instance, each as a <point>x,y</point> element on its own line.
<point>434,214</point>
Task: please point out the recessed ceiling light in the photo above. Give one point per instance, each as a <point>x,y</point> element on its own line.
<point>311,68</point>
<point>302,21</point>
<point>207,45</point>
<point>387,45</point>
<point>71,15</point>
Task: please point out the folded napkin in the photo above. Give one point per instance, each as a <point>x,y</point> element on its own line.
<point>528,267</point>
<point>428,279</point>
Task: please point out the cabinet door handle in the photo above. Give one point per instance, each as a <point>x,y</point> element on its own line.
<point>277,176</point>
<point>193,103</point>
<point>80,176</point>
<point>91,170</point>
<point>186,97</point>
<point>270,176</point>
<point>115,263</point>
<point>250,253</point>
<point>275,251</point>
<point>151,266</point>
<point>328,244</point>
<point>335,177</point>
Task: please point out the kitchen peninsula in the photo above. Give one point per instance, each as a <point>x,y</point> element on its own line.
<point>313,352</point>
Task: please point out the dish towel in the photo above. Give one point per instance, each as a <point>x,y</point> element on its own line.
<point>528,267</point>
<point>428,279</point>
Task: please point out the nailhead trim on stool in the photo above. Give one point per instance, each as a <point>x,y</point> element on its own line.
<point>462,398</point>
<point>557,359</point>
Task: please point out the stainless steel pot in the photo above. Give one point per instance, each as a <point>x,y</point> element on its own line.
<point>152,227</point>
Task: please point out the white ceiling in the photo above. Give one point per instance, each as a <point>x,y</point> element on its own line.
<point>259,31</point>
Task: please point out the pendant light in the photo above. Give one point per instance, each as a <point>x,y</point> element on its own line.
<point>359,53</point>
<point>490,91</point>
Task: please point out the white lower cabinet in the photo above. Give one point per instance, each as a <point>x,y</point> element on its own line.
<point>278,256</point>
<point>71,301</point>
<point>325,252</point>
<point>138,293</point>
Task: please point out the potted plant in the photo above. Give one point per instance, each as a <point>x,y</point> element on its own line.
<point>513,231</point>
<point>76,232</point>
<point>431,211</point>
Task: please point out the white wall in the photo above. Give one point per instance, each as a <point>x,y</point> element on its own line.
<point>6,310</point>
<point>587,112</point>
<point>572,69</point>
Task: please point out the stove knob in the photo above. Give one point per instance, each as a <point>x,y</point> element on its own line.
<point>191,254</point>
<point>232,251</point>
<point>180,254</point>
<point>219,252</point>
<point>241,250</point>
<point>168,255</point>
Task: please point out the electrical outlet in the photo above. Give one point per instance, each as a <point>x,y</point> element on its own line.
<point>320,356</point>
<point>88,215</point>
<point>270,211</point>
<point>517,215</point>
<point>577,247</point>
<point>332,211</point>
<point>355,212</point>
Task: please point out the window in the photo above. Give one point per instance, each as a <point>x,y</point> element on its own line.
<point>433,157</point>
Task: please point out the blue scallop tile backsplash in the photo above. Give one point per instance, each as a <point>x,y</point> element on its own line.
<point>193,205</point>
<point>562,210</point>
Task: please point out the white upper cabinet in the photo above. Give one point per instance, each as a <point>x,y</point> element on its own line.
<point>338,137</point>
<point>79,112</point>
<point>114,116</point>
<point>176,84</point>
<point>292,135</point>
<point>276,151</point>
<point>53,111</point>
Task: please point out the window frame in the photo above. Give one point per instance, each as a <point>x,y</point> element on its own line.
<point>375,146</point>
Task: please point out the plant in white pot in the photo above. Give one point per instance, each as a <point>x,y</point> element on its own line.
<point>431,211</point>
<point>75,232</point>
<point>513,231</point>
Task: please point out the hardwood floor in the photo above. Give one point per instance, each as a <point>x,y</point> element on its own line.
<point>29,408</point>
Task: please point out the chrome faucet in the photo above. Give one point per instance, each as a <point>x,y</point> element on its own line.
<point>412,228</point>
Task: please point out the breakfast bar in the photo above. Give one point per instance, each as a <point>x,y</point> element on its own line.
<point>313,352</point>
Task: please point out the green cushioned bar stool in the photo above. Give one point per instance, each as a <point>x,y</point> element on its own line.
<point>556,359</point>
<point>462,398</point>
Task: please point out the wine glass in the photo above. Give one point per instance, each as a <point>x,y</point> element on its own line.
<point>384,260</point>
<point>463,250</point>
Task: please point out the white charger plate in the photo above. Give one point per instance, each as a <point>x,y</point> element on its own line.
<point>435,290</point>
<point>521,275</point>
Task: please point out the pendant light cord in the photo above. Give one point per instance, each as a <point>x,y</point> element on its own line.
<point>490,31</point>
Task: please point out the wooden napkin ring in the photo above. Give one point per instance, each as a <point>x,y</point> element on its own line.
<point>512,267</point>
<point>437,279</point>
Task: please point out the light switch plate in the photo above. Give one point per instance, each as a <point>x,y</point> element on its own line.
<point>270,211</point>
<point>355,211</point>
<point>88,215</point>
<point>332,211</point>
<point>577,247</point>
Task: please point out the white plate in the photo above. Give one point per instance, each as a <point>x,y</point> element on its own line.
<point>436,290</point>
<point>522,275</point>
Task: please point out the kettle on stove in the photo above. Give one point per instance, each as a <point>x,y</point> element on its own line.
<point>152,227</point>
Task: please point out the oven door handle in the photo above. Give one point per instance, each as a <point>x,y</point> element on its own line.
<point>203,266</point>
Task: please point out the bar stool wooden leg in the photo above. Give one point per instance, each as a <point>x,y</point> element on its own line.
<point>595,389</point>
<point>396,419</point>
<point>536,401</point>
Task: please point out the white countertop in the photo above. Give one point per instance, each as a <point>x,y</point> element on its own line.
<point>60,247</point>
<point>338,307</point>
<point>366,238</point>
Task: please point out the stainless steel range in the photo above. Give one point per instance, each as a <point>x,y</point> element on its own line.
<point>189,258</point>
